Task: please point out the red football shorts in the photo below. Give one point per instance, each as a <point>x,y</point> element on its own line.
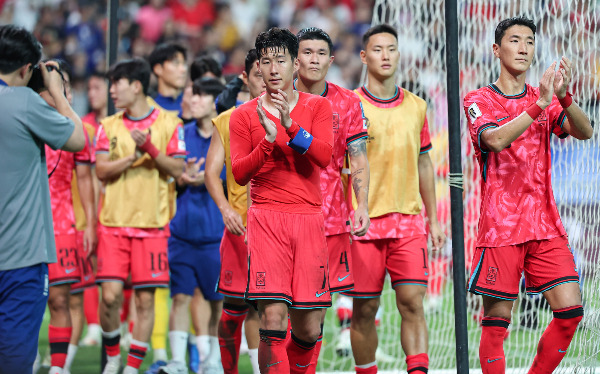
<point>547,263</point>
<point>287,258</point>
<point>340,263</point>
<point>66,269</point>
<point>145,258</point>
<point>405,259</point>
<point>88,278</point>
<point>233,278</point>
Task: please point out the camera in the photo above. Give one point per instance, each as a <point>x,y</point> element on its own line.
<point>36,82</point>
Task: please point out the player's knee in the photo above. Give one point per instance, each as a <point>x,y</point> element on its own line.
<point>411,307</point>
<point>58,303</point>
<point>111,299</point>
<point>181,301</point>
<point>569,318</point>
<point>365,310</point>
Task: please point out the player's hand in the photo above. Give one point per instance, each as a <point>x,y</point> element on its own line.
<point>233,221</point>
<point>547,87</point>
<point>192,167</point>
<point>246,237</point>
<point>139,137</point>
<point>90,240</point>
<point>562,78</point>
<point>267,124</point>
<point>361,222</point>
<point>52,79</point>
<point>280,99</point>
<point>438,238</point>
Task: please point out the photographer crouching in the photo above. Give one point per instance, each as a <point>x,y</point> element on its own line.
<point>27,124</point>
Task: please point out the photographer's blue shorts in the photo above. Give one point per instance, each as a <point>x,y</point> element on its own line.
<point>23,298</point>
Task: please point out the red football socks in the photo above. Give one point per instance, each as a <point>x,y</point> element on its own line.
<point>491,345</point>
<point>230,335</point>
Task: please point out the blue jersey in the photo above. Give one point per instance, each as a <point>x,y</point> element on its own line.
<point>169,103</point>
<point>198,219</point>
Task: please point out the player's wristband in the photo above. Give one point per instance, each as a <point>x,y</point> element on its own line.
<point>301,141</point>
<point>149,148</point>
<point>566,101</point>
<point>534,111</point>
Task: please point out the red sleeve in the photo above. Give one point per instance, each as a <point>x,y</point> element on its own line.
<point>425,137</point>
<point>84,156</point>
<point>358,122</point>
<point>556,118</point>
<point>245,161</point>
<point>321,147</point>
<point>102,143</point>
<point>479,117</point>
<point>176,146</point>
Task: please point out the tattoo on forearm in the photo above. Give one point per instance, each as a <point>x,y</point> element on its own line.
<point>358,181</point>
<point>357,148</point>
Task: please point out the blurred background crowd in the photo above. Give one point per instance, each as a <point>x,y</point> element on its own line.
<point>74,30</point>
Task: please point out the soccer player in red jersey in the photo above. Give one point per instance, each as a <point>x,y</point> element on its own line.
<point>279,143</point>
<point>520,229</point>
<point>401,183</point>
<point>234,252</point>
<point>137,152</point>
<point>66,271</point>
<point>350,137</point>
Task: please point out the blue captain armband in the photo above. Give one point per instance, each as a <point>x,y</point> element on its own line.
<point>301,141</point>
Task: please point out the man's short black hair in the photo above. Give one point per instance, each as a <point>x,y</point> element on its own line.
<point>97,74</point>
<point>203,65</point>
<point>18,47</point>
<point>165,52</point>
<point>277,39</point>
<point>135,69</point>
<point>208,86</point>
<point>379,29</point>
<point>509,22</point>
<point>315,33</point>
<point>251,58</point>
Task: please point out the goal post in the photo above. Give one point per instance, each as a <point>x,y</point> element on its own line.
<point>565,27</point>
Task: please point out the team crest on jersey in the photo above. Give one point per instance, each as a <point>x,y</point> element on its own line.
<point>228,278</point>
<point>491,275</point>
<point>261,279</point>
<point>541,119</point>
<point>474,112</point>
<point>336,121</point>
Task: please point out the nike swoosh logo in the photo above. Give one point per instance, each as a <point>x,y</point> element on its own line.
<point>69,271</point>
<point>426,273</point>
<point>302,366</point>
<point>320,294</point>
<point>502,119</point>
<point>154,275</point>
<point>561,351</point>
<point>275,363</point>
<point>87,277</point>
<point>341,279</point>
<point>496,359</point>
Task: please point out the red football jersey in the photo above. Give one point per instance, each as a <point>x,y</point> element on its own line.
<point>517,200</point>
<point>281,178</point>
<point>61,164</point>
<point>173,150</point>
<point>349,124</point>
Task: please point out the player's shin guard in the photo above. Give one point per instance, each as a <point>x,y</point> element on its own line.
<point>417,364</point>
<point>137,352</point>
<point>272,354</point>
<point>111,341</point>
<point>230,335</point>
<point>300,354</point>
<point>366,369</point>
<point>59,338</point>
<point>491,349</point>
<point>315,358</point>
<point>556,339</point>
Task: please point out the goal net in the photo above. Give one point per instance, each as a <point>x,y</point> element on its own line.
<point>565,27</point>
